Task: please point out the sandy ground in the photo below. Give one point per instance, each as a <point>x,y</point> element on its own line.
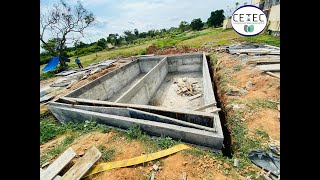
<point>264,87</point>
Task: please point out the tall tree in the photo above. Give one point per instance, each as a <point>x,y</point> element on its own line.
<point>136,32</point>
<point>216,18</point>
<point>196,24</point>
<point>61,22</point>
<point>184,26</point>
<point>102,42</point>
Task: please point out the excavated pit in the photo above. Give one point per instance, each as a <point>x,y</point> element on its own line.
<point>169,95</point>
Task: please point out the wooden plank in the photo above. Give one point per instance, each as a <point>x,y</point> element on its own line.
<point>194,97</point>
<point>184,176</point>
<point>269,67</point>
<point>207,106</point>
<point>83,164</point>
<point>259,61</point>
<point>58,164</point>
<point>57,177</point>
<point>273,74</point>
<point>135,106</point>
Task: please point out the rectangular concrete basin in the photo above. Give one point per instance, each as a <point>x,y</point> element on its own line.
<point>143,93</point>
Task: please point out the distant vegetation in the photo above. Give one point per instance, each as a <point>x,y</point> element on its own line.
<point>132,37</point>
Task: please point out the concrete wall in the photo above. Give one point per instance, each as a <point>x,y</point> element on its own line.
<point>227,24</point>
<point>106,86</point>
<point>186,134</point>
<point>185,63</point>
<point>144,89</point>
<point>147,64</point>
<point>208,94</point>
<point>274,18</point>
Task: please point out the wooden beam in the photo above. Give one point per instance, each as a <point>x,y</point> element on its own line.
<point>57,177</point>
<point>260,61</point>
<point>83,164</point>
<point>135,106</point>
<point>273,74</point>
<point>58,164</point>
<point>207,106</point>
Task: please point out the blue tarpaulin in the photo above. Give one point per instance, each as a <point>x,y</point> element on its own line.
<point>53,63</point>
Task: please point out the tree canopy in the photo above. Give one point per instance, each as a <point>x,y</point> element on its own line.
<point>216,18</point>
<point>196,24</point>
<point>61,23</point>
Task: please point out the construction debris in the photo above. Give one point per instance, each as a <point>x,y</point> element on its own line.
<point>186,87</point>
<point>155,167</point>
<point>267,161</point>
<point>83,164</point>
<point>58,165</point>
<point>61,84</point>
<point>194,97</point>
<point>273,74</point>
<point>269,67</point>
<point>46,98</point>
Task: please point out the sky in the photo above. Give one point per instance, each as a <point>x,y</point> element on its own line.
<point>116,16</point>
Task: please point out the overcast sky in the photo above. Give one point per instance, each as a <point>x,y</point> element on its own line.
<point>116,16</point>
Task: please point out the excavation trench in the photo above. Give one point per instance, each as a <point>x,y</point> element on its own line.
<point>227,149</point>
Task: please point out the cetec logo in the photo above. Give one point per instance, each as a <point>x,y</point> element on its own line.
<point>248,20</point>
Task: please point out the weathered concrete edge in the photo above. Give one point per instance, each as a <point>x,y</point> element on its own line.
<point>173,120</point>
<point>208,93</point>
<point>127,112</point>
<point>158,108</point>
<point>191,135</point>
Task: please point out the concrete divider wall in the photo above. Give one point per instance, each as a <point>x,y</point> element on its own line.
<point>144,89</point>
<point>208,94</point>
<point>185,63</point>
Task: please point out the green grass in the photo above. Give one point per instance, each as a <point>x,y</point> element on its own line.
<point>237,67</point>
<point>262,133</point>
<point>61,147</point>
<point>49,128</point>
<point>152,143</point>
<point>263,38</point>
<point>262,103</point>
<point>173,40</point>
<point>107,154</point>
<point>47,75</point>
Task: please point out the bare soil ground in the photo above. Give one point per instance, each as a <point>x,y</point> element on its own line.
<point>264,87</point>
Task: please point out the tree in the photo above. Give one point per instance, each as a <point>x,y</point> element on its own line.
<point>102,42</point>
<point>216,18</point>
<point>184,26</point>
<point>62,22</point>
<point>136,32</point>
<point>196,24</point>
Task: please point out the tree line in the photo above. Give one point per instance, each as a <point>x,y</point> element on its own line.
<point>57,46</point>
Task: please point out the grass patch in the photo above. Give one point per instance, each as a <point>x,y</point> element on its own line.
<point>107,154</point>
<point>49,128</point>
<point>175,39</point>
<point>263,38</point>
<point>47,75</point>
<point>153,143</point>
<point>61,147</point>
<point>263,134</point>
<point>237,67</point>
<point>262,103</point>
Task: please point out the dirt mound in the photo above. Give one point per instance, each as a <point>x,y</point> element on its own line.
<point>175,50</point>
